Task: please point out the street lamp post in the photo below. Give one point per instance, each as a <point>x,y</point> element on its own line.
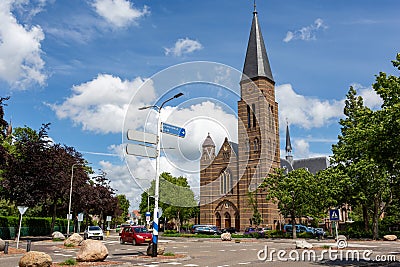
<point>157,185</point>
<point>70,195</point>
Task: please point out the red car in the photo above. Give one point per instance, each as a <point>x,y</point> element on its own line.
<point>135,235</point>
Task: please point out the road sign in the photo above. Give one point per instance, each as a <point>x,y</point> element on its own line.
<point>334,215</point>
<point>173,130</point>
<point>22,209</point>
<point>142,137</point>
<point>148,216</point>
<point>80,217</point>
<point>108,219</point>
<point>140,150</point>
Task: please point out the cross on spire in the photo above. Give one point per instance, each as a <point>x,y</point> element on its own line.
<point>255,6</point>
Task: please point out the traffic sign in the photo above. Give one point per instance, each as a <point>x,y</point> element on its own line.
<point>22,209</point>
<point>334,215</point>
<point>147,216</point>
<point>173,130</point>
<point>142,137</point>
<point>140,150</point>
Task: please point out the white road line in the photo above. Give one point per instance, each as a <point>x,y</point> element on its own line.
<point>190,265</point>
<point>244,263</point>
<point>174,263</point>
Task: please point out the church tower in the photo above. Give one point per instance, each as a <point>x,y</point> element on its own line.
<point>230,175</point>
<point>258,129</point>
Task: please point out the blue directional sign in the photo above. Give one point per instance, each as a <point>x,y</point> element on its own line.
<point>173,130</point>
<point>334,215</point>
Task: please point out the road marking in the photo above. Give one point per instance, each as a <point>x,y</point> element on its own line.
<point>222,250</point>
<point>190,265</point>
<point>244,263</point>
<point>174,263</point>
<point>64,255</point>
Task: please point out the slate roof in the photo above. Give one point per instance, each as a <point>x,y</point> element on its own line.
<point>313,165</point>
<point>256,63</point>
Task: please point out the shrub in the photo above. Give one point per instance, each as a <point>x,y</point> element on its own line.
<point>69,261</point>
<point>169,254</point>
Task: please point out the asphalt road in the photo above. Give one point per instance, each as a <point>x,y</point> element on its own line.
<point>214,252</point>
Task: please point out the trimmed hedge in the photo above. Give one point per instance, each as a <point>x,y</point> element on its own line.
<point>31,226</point>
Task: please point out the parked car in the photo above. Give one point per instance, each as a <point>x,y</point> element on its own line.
<point>93,232</point>
<point>195,226</point>
<point>119,227</point>
<point>320,232</point>
<point>135,235</point>
<point>288,228</point>
<point>252,231</point>
<point>231,230</point>
<point>208,230</point>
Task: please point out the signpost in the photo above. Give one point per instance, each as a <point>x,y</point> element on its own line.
<point>334,215</point>
<point>141,150</point>
<point>173,130</point>
<point>80,219</point>
<point>148,217</point>
<point>22,210</point>
<point>165,128</point>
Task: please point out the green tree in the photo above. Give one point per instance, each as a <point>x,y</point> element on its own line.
<point>123,205</point>
<point>176,199</point>
<point>296,192</point>
<point>256,217</point>
<point>367,148</point>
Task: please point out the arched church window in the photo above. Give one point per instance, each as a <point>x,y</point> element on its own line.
<point>248,117</point>
<point>256,145</point>
<point>226,182</point>
<point>253,106</point>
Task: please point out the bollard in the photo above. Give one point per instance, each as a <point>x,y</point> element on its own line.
<point>28,245</point>
<point>6,247</point>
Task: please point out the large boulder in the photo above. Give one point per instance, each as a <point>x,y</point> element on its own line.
<point>386,237</point>
<point>303,244</point>
<point>160,249</point>
<point>73,240</point>
<point>92,250</point>
<point>35,259</point>
<point>2,244</point>
<point>226,237</point>
<point>57,235</point>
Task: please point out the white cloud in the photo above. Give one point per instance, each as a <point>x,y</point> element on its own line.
<point>183,46</point>
<point>100,105</point>
<point>21,64</point>
<point>370,97</point>
<point>306,33</point>
<point>119,13</point>
<point>306,112</point>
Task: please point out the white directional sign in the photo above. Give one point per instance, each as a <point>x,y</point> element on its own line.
<point>142,137</point>
<point>22,209</point>
<point>173,130</point>
<point>140,150</point>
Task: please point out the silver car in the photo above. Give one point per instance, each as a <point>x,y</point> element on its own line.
<point>93,232</point>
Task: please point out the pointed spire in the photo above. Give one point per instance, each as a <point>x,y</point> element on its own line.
<point>9,129</point>
<point>288,146</point>
<point>256,63</point>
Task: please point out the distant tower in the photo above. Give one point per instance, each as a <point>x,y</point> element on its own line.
<point>288,146</point>
<point>208,152</point>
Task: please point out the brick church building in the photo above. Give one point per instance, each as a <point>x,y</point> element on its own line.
<point>226,178</point>
<point>229,174</point>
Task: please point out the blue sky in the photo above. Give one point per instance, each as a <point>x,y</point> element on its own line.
<point>78,64</point>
